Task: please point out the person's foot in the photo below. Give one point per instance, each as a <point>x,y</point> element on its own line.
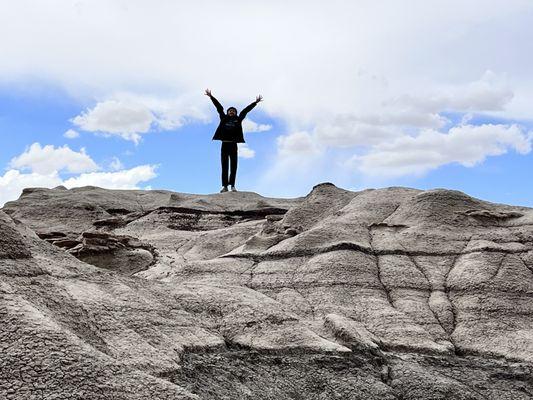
<point>224,189</point>
<point>233,189</point>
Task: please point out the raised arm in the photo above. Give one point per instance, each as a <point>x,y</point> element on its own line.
<point>249,107</point>
<point>217,104</point>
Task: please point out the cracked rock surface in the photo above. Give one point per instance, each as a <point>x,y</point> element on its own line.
<point>380,294</point>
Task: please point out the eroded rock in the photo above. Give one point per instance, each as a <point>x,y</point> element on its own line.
<point>390,293</point>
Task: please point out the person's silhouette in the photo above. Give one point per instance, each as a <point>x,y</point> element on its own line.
<point>229,131</point>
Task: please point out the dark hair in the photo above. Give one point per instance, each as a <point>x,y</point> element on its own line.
<point>232,108</point>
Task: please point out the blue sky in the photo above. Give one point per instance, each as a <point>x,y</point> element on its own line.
<point>362,94</point>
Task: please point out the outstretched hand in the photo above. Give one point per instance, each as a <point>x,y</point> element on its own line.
<point>208,92</point>
<point>258,99</point>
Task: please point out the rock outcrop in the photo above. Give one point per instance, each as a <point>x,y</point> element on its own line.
<point>380,294</point>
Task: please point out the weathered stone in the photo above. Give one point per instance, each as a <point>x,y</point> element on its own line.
<point>380,294</point>
<point>11,242</point>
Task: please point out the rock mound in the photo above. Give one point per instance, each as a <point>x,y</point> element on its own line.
<point>12,244</point>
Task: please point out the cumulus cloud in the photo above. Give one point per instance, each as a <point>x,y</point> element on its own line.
<point>71,134</point>
<point>402,117</point>
<point>245,151</point>
<point>46,164</point>
<point>297,154</point>
<point>467,145</point>
<point>50,159</point>
<point>300,164</point>
<point>251,126</point>
<point>125,179</point>
<point>297,144</point>
<point>414,111</point>
<point>13,181</point>
<point>490,93</point>
<point>372,134</point>
<point>301,76</point>
<point>125,119</point>
<point>362,74</point>
<point>129,115</point>
<point>348,132</point>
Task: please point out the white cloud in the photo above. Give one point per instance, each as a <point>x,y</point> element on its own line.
<point>300,163</point>
<point>46,164</point>
<point>13,181</point>
<point>361,74</point>
<point>170,112</point>
<point>418,115</point>
<point>116,164</point>
<point>50,159</point>
<point>361,54</point>
<point>348,132</point>
<point>125,119</point>
<point>129,115</point>
<point>402,117</point>
<point>251,126</point>
<point>415,112</point>
<point>297,144</point>
<point>126,179</point>
<point>71,134</point>
<point>299,158</point>
<point>490,93</point>
<point>245,151</point>
<point>467,145</point>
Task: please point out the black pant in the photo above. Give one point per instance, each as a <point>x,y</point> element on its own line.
<point>228,152</point>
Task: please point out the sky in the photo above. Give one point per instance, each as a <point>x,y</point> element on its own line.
<point>363,94</point>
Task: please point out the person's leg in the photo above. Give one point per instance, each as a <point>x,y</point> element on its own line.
<point>233,159</point>
<point>224,159</point>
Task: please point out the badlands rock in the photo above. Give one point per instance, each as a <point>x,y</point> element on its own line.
<point>380,294</point>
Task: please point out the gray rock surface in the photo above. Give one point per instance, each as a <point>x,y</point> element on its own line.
<point>380,294</point>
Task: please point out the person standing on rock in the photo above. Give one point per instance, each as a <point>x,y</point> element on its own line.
<point>229,131</point>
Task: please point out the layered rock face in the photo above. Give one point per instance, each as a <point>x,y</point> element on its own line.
<point>380,294</point>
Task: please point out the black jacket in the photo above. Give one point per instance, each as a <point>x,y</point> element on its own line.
<point>230,128</point>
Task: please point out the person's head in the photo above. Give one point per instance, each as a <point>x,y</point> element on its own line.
<point>232,111</point>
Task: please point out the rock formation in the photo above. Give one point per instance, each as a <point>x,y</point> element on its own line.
<point>379,294</point>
